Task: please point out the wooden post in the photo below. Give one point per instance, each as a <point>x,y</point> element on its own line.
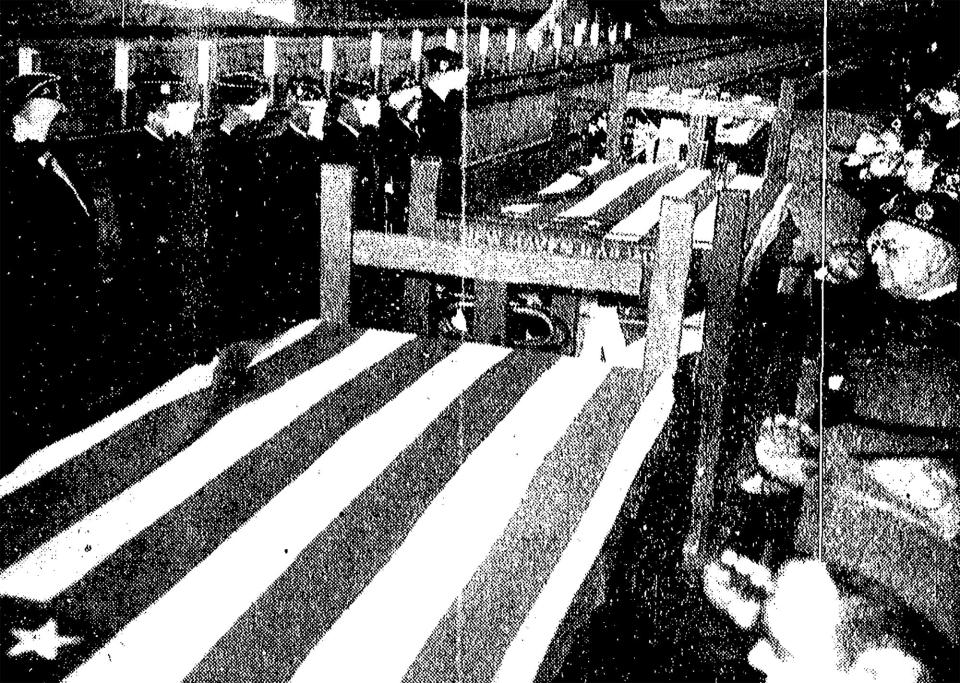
<point>490,321</point>
<point>206,70</point>
<point>425,177</point>
<point>724,272</point>
<point>703,130</point>
<point>618,107</point>
<point>668,287</point>
<point>337,185</point>
<point>566,306</point>
<point>778,149</point>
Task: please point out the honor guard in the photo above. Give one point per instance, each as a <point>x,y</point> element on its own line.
<point>51,276</point>
<point>156,175</point>
<point>440,121</point>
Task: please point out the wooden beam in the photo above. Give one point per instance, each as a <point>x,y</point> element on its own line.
<point>441,257</point>
<point>337,185</point>
<point>778,148</point>
<point>701,107</point>
<point>422,220</point>
<point>424,179</point>
<point>668,287</point>
<point>490,322</point>
<point>724,273</point>
<point>621,86</point>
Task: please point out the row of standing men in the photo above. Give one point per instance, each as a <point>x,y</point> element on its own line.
<point>217,222</point>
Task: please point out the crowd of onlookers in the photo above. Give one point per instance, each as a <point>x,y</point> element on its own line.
<point>866,479</point>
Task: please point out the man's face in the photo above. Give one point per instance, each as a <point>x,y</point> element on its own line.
<point>910,262</point>
<point>313,114</point>
<point>368,110</point>
<point>447,81</point>
<point>257,110</point>
<point>458,78</point>
<point>399,99</point>
<point>180,117</point>
<point>33,121</point>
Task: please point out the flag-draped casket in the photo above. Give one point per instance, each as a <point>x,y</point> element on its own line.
<point>377,507</point>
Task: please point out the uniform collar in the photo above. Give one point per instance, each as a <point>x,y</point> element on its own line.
<point>298,130</point>
<point>353,131</point>
<point>153,133</point>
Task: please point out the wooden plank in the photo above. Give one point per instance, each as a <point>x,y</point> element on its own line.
<point>337,197</point>
<point>723,275</point>
<point>441,257</point>
<point>637,195</point>
<point>490,323</point>
<point>618,107</point>
<point>701,107</point>
<point>425,177</point>
<point>566,306</point>
<point>668,287</point>
<point>778,149</point>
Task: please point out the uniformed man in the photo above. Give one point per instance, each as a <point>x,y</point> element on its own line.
<point>292,253</point>
<point>354,139</point>
<point>155,174</point>
<point>441,122</point>
<point>51,277</point>
<point>239,309</point>
<point>400,142</point>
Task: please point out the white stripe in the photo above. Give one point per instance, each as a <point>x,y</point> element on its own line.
<point>67,557</point>
<point>190,381</point>
<point>704,227</point>
<point>609,190</point>
<point>528,648</point>
<point>640,221</point>
<point>218,590</point>
<point>382,632</point>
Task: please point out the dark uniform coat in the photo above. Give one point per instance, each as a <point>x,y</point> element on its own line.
<point>291,253</point>
<point>400,143</point>
<point>360,148</point>
<point>891,507</point>
<point>50,300</point>
<point>238,233</point>
<point>441,135</point>
<point>896,363</point>
<point>154,184</point>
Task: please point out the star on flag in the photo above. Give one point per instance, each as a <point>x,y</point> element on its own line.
<point>44,641</point>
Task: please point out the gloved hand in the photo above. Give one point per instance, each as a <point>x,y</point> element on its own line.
<point>785,450</point>
<point>846,261</point>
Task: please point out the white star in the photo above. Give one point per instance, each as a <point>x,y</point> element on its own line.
<point>45,641</point>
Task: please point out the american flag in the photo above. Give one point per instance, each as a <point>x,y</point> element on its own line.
<point>377,507</point>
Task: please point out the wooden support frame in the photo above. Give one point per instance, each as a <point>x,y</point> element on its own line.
<point>336,242</point>
<point>668,288</point>
<point>422,220</point>
<point>723,287</point>
<point>703,109</point>
<point>438,248</point>
<point>737,244</point>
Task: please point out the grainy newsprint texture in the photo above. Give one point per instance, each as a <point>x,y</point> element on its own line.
<point>479,341</point>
